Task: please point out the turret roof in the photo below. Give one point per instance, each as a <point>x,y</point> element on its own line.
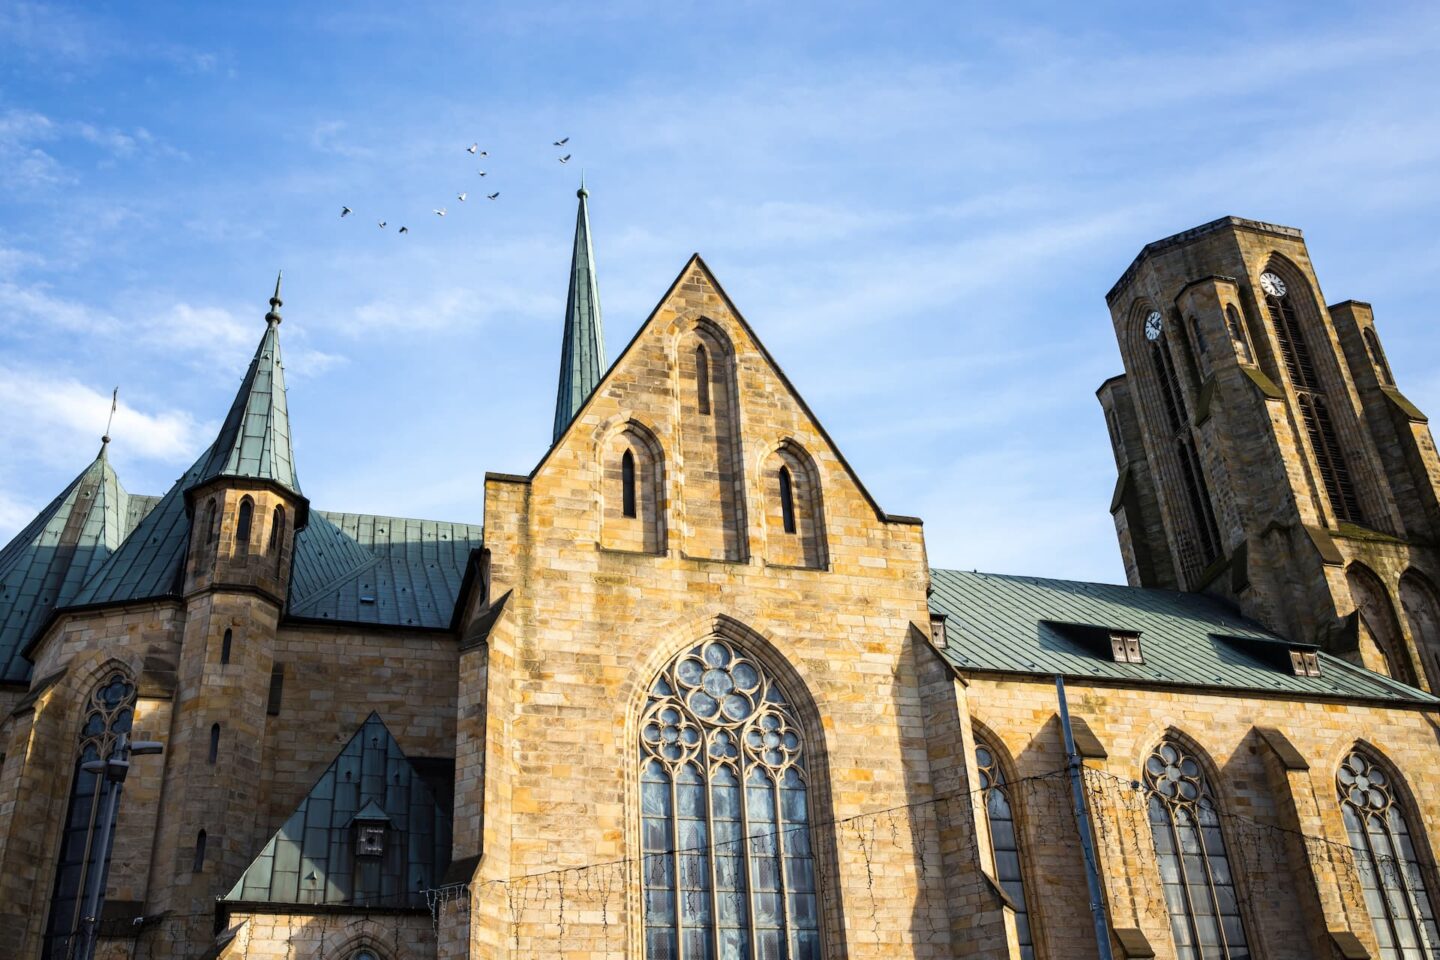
<point>582,352</point>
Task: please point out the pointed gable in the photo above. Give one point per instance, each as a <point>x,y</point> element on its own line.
<point>313,858</point>
<point>254,441</point>
<point>47,564</point>
<point>582,351</point>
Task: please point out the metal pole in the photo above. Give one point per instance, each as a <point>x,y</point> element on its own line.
<point>1082,823</point>
<point>96,875</point>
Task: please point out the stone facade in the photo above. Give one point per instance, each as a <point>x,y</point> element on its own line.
<point>694,498</point>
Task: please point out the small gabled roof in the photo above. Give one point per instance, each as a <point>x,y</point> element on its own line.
<point>311,859</point>
<point>1028,625</point>
<point>254,441</point>
<point>582,349</point>
<point>47,564</point>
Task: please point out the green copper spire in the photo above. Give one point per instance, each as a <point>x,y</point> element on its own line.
<point>254,441</point>
<point>582,354</point>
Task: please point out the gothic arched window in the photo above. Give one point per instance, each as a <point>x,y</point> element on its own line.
<point>82,865</point>
<point>225,643</point>
<point>1310,395</point>
<point>729,871</point>
<point>787,501</point>
<point>242,523</point>
<point>277,528</point>
<point>211,521</point>
<point>627,484</point>
<point>702,380</point>
<point>1194,867</point>
<point>214,753</point>
<point>1004,843</point>
<point>1390,871</point>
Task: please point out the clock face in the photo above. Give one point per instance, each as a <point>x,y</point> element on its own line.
<point>1153,325</point>
<point>1272,284</point>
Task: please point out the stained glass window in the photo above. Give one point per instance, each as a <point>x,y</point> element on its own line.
<point>729,871</point>
<point>1004,843</point>
<point>81,867</point>
<point>1390,871</point>
<point>1194,866</point>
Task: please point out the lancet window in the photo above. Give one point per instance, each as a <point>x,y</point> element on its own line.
<point>83,865</point>
<point>728,865</point>
<point>1194,866</point>
<point>1385,856</point>
<point>1004,843</point>
<point>1310,396</point>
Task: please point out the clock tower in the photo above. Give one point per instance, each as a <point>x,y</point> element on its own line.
<point>1265,452</point>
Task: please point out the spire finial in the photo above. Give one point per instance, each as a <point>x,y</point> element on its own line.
<point>105,437</point>
<point>582,193</point>
<point>274,315</point>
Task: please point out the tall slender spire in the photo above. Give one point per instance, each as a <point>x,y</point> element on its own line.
<point>582,353</point>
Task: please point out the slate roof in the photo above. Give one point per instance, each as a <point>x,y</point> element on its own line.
<point>312,859</point>
<point>254,441</point>
<point>1013,624</point>
<point>359,568</point>
<point>582,350</point>
<point>48,562</point>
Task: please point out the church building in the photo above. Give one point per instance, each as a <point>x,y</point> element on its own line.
<point>688,692</point>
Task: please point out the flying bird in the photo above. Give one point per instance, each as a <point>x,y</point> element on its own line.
<point>345,212</point>
<point>561,142</point>
<point>461,196</point>
<point>472,148</point>
<point>482,173</point>
<point>439,211</point>
<point>492,196</point>
<point>382,224</point>
<point>404,229</point>
<point>565,159</point>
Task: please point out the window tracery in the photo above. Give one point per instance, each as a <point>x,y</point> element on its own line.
<point>1004,843</point>
<point>728,865</point>
<point>1194,866</point>
<point>1390,873</point>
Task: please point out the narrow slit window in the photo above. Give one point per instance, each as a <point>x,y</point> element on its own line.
<point>210,524</point>
<point>1199,334</point>
<point>277,528</point>
<point>627,484</point>
<point>1237,334</point>
<point>225,643</point>
<point>702,379</point>
<point>199,863</point>
<point>214,754</point>
<point>242,522</point>
<point>1377,357</point>
<point>787,501</point>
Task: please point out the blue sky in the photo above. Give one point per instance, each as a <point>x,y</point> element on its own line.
<point>919,207</point>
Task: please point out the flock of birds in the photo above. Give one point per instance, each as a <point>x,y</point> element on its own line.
<point>475,151</point>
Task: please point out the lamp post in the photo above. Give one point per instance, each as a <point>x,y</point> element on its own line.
<point>112,771</point>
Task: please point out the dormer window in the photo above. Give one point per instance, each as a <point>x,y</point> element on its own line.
<point>1305,663</point>
<point>937,629</point>
<point>370,840</point>
<point>1125,647</point>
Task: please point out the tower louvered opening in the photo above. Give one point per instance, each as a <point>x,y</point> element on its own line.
<point>1199,536</point>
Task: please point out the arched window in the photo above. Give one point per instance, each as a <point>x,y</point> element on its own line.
<point>728,871</point>
<point>1390,871</point>
<point>1310,395</point>
<point>1199,534</point>
<point>1377,617</point>
<point>82,865</point>
<point>199,863</point>
<point>1377,357</point>
<point>1194,867</point>
<point>214,744</point>
<point>627,484</point>
<point>702,380</point>
<point>1004,843</point>
<point>1422,613</point>
<point>225,647</point>
<point>242,523</point>
<point>277,528</point>
<point>1199,335</point>
<point>212,525</point>
<point>1238,336</point>
<point>787,501</point>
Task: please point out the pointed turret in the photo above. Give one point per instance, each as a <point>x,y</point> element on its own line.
<point>254,442</point>
<point>582,353</point>
<point>47,564</point>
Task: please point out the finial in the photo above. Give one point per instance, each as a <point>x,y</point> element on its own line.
<point>582,193</point>
<point>274,315</point>
<point>105,437</point>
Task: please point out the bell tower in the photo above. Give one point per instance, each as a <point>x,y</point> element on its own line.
<point>1265,452</point>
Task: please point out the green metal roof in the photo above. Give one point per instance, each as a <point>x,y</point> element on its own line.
<point>48,562</point>
<point>1016,624</point>
<point>254,441</point>
<point>582,351</point>
<point>388,571</point>
<point>312,858</point>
